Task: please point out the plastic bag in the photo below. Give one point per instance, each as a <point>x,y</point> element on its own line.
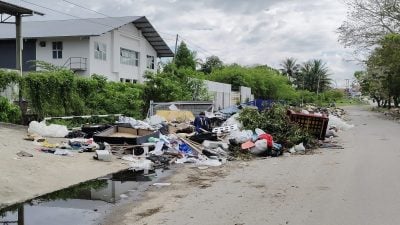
<point>338,123</point>
<point>260,147</point>
<point>209,162</point>
<point>185,149</point>
<point>259,132</point>
<point>242,136</point>
<point>53,130</point>
<point>299,148</point>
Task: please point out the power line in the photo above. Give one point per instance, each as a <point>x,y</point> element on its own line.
<point>208,53</point>
<point>87,19</point>
<point>57,11</point>
<point>83,7</point>
<point>198,47</point>
<point>116,18</point>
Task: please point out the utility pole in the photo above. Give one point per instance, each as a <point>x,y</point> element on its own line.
<point>319,77</point>
<point>176,45</point>
<point>18,54</point>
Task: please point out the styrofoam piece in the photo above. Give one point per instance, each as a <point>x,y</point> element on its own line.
<point>104,155</point>
<point>225,129</point>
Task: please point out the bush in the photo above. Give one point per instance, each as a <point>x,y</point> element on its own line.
<point>60,93</point>
<point>7,78</point>
<point>265,82</point>
<point>9,112</point>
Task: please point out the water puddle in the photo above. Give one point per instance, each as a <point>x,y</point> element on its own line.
<point>85,203</point>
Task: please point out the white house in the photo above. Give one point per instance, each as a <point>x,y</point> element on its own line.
<point>120,48</point>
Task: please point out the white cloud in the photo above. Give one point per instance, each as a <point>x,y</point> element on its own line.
<point>246,32</point>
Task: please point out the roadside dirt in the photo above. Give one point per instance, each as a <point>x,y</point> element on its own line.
<point>23,178</point>
<point>356,185</point>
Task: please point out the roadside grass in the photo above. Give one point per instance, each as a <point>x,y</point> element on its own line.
<point>349,102</point>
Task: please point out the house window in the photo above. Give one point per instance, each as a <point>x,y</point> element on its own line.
<point>150,62</point>
<point>57,50</point>
<point>129,57</point>
<point>121,79</point>
<point>100,51</point>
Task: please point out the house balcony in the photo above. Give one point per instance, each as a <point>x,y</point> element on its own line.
<point>76,64</point>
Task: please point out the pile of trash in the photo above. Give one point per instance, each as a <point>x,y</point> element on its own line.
<point>175,140</point>
<point>336,123</point>
<point>393,113</point>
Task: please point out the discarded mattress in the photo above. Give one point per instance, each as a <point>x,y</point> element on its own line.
<point>125,135</point>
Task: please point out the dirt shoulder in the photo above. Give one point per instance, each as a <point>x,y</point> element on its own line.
<point>23,178</point>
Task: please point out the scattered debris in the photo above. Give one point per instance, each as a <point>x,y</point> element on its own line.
<point>161,184</point>
<point>24,154</point>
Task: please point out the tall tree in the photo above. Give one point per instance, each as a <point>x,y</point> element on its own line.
<point>315,76</point>
<point>368,21</point>
<point>290,68</point>
<point>385,61</point>
<point>212,62</point>
<point>184,57</point>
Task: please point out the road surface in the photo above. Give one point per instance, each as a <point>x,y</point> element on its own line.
<point>359,185</point>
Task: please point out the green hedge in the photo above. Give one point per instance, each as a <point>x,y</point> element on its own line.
<point>59,93</point>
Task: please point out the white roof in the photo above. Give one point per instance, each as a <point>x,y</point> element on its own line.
<point>87,27</point>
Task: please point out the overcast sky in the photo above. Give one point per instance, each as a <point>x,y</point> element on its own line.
<point>238,31</point>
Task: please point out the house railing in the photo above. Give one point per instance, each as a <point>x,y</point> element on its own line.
<point>76,63</point>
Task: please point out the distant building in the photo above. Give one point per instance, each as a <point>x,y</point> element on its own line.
<point>120,48</point>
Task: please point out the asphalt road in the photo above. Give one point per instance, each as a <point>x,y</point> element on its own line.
<point>358,185</point>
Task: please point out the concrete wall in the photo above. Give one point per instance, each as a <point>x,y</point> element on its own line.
<point>245,94</point>
<point>223,96</point>
<point>220,92</point>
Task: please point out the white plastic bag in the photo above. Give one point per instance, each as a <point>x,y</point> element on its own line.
<point>338,123</point>
<point>260,147</point>
<point>53,130</point>
<point>242,136</point>
<point>299,148</point>
<point>259,131</point>
<point>208,162</point>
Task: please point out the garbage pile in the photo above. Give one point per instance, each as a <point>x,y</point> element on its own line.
<point>336,123</point>
<point>337,118</point>
<point>158,142</point>
<point>393,113</point>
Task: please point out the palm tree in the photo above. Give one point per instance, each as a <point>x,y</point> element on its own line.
<point>290,68</point>
<point>315,75</point>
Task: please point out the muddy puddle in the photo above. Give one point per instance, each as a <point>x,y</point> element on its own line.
<point>86,203</point>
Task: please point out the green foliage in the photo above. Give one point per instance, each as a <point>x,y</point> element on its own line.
<point>51,93</point>
<point>183,84</point>
<point>265,82</point>
<point>332,95</point>
<point>59,93</point>
<point>9,112</point>
<point>275,122</point>
<point>44,66</point>
<point>7,78</point>
<point>382,79</point>
<point>184,57</point>
<point>314,76</point>
<point>290,68</point>
<point>212,63</point>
